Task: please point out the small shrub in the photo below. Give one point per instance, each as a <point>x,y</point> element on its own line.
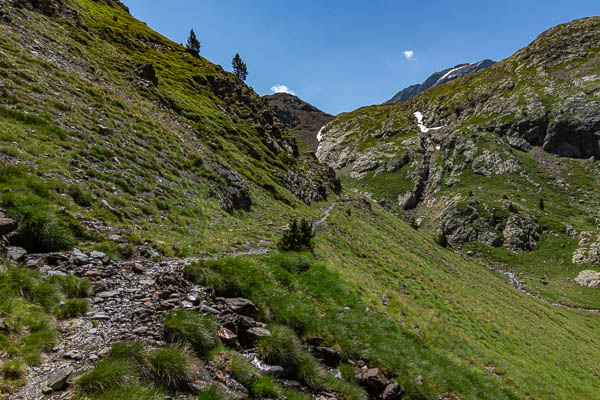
<point>80,196</point>
<point>211,393</point>
<point>170,367</point>
<point>73,308</point>
<point>108,374</point>
<point>189,327</point>
<point>13,369</point>
<point>541,204</point>
<point>41,231</point>
<point>265,387</point>
<point>297,236</point>
<point>281,348</point>
<point>513,209</point>
<point>72,286</point>
<point>441,239</point>
<point>131,351</point>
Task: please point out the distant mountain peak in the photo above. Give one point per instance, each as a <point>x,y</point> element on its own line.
<point>440,77</point>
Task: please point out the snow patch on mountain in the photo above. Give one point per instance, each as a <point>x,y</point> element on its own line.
<point>419,116</point>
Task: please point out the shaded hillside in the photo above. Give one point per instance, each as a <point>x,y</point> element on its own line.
<point>300,116</point>
<point>438,78</point>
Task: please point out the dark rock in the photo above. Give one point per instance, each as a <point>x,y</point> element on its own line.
<point>59,380</point>
<point>227,336</point>
<point>137,268</point>
<point>7,225</point>
<point>393,391</point>
<point>374,379</point>
<point>242,306</point>
<point>146,72</point>
<point>234,194</point>
<point>328,356</point>
<point>253,334</point>
<point>314,340</point>
<point>15,253</point>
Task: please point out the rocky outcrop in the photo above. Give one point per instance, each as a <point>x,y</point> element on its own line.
<point>300,116</point>
<point>588,250</point>
<point>521,233</point>
<point>588,278</point>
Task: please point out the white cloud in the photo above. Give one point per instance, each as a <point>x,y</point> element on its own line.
<point>409,54</point>
<point>282,89</point>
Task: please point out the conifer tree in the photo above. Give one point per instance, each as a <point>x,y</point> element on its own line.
<point>239,67</point>
<point>193,44</point>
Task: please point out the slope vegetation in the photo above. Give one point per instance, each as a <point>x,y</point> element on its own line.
<point>510,163</point>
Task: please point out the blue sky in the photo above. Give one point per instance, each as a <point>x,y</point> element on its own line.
<point>344,54</point>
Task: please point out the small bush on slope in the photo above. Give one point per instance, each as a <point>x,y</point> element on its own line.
<point>189,327</point>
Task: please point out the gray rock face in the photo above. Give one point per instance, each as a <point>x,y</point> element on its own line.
<point>521,234</point>
<point>588,278</point>
<point>439,78</point>
<point>588,250</point>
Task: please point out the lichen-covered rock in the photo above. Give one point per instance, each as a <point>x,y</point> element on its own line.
<point>588,251</point>
<point>588,278</point>
<point>491,163</point>
<point>521,233</point>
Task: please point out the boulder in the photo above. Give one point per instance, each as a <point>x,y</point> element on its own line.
<point>392,391</point>
<point>227,336</point>
<point>15,253</point>
<point>242,306</point>
<point>328,356</point>
<point>7,225</point>
<point>521,234</point>
<point>253,334</point>
<point>374,379</point>
<point>588,278</point>
<point>59,380</point>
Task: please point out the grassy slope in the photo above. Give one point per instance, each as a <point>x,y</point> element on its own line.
<point>461,310</point>
<point>476,99</point>
<point>150,164</point>
<point>454,319</point>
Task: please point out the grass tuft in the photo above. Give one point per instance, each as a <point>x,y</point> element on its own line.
<point>170,367</point>
<point>189,327</point>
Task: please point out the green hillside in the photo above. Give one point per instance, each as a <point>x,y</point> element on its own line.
<point>114,139</point>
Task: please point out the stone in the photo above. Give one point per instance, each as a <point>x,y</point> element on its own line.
<point>242,306</point>
<point>15,253</point>
<point>138,268</point>
<point>521,234</point>
<point>588,278</point>
<point>374,379</point>
<point>227,336</point>
<point>108,294</point>
<point>253,334</point>
<point>59,380</point>
<point>393,391</point>
<point>73,355</point>
<point>7,225</point>
<point>328,356</point>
